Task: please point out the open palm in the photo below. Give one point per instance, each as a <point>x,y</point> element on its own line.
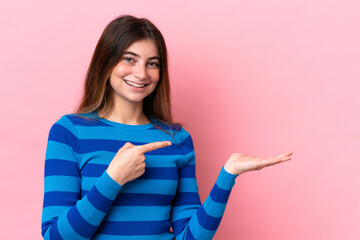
<point>239,162</point>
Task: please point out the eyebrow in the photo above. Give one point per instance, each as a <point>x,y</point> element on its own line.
<point>137,55</point>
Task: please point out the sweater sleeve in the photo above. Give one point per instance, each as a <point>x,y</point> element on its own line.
<point>190,219</point>
<point>65,214</point>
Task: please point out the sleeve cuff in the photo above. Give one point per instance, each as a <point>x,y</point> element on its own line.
<point>108,186</point>
<point>226,180</point>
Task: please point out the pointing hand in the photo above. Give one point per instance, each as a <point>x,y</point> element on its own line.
<point>129,162</point>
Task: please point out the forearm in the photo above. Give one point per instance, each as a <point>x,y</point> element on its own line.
<point>81,220</point>
<point>204,223</point>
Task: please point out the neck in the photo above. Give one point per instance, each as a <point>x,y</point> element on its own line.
<point>127,113</point>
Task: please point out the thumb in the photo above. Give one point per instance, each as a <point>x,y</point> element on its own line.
<point>126,146</point>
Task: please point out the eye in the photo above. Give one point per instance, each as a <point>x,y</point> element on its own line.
<point>154,64</point>
<point>128,59</point>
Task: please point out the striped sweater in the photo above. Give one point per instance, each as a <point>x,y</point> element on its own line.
<point>81,201</point>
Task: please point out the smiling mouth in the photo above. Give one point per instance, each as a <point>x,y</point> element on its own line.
<point>135,84</point>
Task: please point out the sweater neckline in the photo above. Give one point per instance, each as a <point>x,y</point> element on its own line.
<point>122,125</point>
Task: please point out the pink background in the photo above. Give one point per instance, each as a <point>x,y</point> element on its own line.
<point>259,77</point>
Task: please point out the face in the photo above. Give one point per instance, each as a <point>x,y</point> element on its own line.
<point>137,73</point>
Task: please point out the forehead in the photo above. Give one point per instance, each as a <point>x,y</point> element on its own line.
<point>144,48</point>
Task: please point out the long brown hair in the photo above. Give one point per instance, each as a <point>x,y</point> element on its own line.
<point>118,35</point>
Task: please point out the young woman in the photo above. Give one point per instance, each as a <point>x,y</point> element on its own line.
<point>119,167</point>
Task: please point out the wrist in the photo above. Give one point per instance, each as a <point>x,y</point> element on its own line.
<point>111,174</point>
<point>229,167</point>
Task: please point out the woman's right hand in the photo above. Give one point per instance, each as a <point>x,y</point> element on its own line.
<point>129,162</point>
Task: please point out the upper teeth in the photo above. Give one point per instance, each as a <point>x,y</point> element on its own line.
<point>134,84</point>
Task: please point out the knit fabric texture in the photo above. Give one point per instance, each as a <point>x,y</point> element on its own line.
<point>81,201</point>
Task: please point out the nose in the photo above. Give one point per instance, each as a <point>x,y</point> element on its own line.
<point>140,71</point>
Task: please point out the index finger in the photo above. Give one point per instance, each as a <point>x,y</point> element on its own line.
<point>286,154</point>
<point>153,146</point>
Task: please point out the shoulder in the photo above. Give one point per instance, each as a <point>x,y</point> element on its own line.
<point>66,120</point>
<point>64,126</point>
<point>180,136</point>
<point>74,120</point>
<point>68,128</point>
<point>185,138</point>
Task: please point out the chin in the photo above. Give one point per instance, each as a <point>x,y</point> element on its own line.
<point>136,100</point>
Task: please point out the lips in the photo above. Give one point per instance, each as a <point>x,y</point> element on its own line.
<point>134,84</point>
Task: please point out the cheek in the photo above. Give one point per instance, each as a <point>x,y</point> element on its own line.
<point>155,81</point>
<point>121,70</point>
<point>155,76</point>
<point>114,84</point>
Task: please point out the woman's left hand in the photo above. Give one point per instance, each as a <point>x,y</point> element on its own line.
<point>239,162</point>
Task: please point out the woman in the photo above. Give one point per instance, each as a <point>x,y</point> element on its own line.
<point>120,168</point>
